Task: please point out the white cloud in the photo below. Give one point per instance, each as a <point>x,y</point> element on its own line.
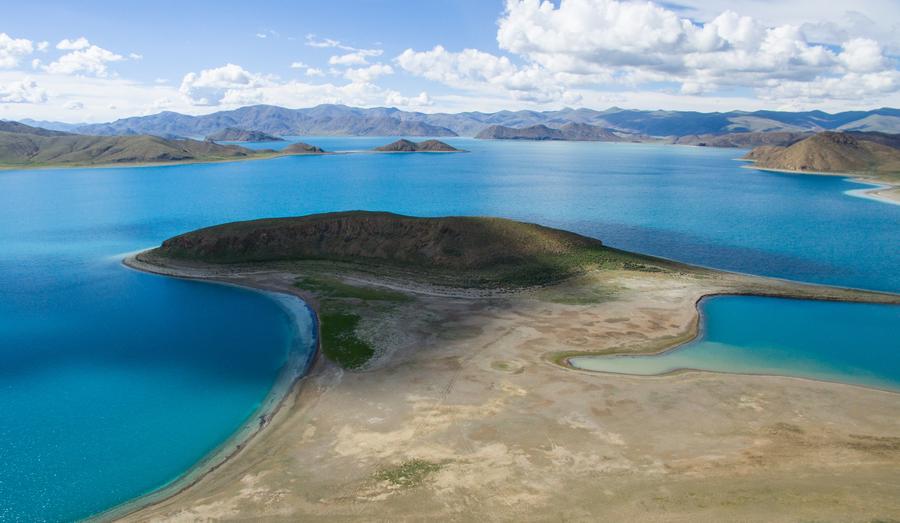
<point>25,91</point>
<point>135,56</point>
<point>368,74</point>
<point>314,71</point>
<point>13,49</point>
<point>298,65</point>
<point>74,105</point>
<point>73,45</point>
<point>476,70</point>
<point>581,45</point>
<point>323,43</point>
<point>395,99</point>
<point>43,46</point>
<point>212,86</point>
<point>358,57</point>
<point>83,58</point>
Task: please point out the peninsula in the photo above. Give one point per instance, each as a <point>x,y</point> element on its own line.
<point>444,385</point>
<point>871,156</point>
<point>26,146</point>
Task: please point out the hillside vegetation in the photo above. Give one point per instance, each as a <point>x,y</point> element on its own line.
<point>863,153</point>
<point>460,250</point>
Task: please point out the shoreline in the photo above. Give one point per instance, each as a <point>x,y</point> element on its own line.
<point>288,383</point>
<point>285,426</point>
<point>881,191</point>
<point>695,333</point>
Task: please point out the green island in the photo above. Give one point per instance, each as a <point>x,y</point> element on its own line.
<point>439,332</point>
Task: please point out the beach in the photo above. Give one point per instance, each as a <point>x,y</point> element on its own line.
<point>466,413</point>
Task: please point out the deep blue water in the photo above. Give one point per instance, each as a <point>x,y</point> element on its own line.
<point>847,342</point>
<point>113,382</point>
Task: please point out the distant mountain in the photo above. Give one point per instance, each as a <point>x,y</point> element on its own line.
<point>428,146</point>
<point>53,126</point>
<point>234,134</point>
<point>23,145</point>
<point>742,140</point>
<point>834,152</point>
<point>571,131</point>
<point>382,121</point>
<point>320,120</point>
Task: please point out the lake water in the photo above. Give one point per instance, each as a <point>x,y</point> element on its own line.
<point>833,341</point>
<point>113,382</point>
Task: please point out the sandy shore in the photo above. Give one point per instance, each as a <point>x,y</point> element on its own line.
<point>465,415</point>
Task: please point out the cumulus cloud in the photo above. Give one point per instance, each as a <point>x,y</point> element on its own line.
<point>368,74</point>
<point>639,42</point>
<point>231,85</point>
<point>358,57</point>
<point>395,99</point>
<point>212,86</point>
<point>476,70</point>
<point>73,45</point>
<point>83,58</point>
<point>13,49</point>
<point>74,105</point>
<point>314,71</point>
<point>25,91</point>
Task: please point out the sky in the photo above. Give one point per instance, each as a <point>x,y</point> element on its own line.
<point>93,61</point>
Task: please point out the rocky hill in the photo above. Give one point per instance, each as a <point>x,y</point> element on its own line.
<point>22,145</point>
<point>235,134</point>
<point>830,152</point>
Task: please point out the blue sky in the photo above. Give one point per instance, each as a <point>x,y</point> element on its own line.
<point>94,61</point>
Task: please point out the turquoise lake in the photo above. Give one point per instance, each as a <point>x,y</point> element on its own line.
<point>113,382</point>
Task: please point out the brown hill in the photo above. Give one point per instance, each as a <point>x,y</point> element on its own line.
<point>834,153</point>
<point>27,146</point>
<point>481,251</point>
<point>302,148</point>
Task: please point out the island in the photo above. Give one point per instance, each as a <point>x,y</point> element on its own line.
<point>444,386</point>
<point>427,146</point>
<point>871,156</point>
<point>300,148</point>
<point>236,134</point>
<point>572,131</point>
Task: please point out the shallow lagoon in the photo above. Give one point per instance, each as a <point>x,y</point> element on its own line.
<point>832,341</point>
<point>114,382</point>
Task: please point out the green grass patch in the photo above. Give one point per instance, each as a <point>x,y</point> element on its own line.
<point>409,473</point>
<point>340,343</point>
<point>333,288</point>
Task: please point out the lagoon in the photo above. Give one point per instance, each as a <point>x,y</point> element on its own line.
<point>831,341</point>
<point>115,382</point>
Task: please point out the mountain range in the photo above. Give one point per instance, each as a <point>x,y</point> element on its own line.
<point>382,121</point>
